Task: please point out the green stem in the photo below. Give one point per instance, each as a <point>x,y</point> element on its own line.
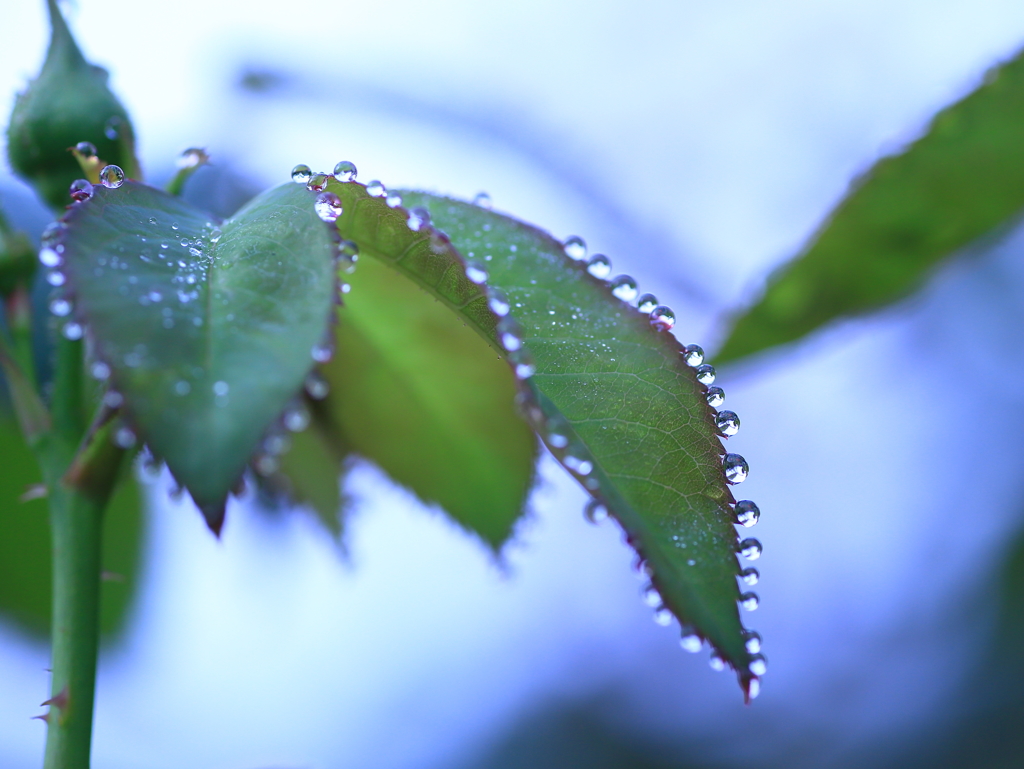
<point>76,527</point>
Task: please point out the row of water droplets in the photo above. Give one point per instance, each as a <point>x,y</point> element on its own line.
<point>734,466</point>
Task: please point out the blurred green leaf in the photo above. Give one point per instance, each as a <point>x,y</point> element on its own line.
<point>961,180</point>
<point>422,395</point>
<point>611,396</point>
<point>25,576</point>
<point>309,474</point>
<point>68,103</point>
<point>208,330</point>
<point>17,258</point>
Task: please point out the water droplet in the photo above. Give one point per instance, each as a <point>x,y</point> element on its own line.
<point>318,182</point>
<point>321,353</point>
<point>693,354</point>
<point>735,467</point>
<point>393,199</point>
<point>174,225</point>
<point>750,576</point>
<point>747,513</point>
<point>221,388</point>
<point>476,272</point>
<point>498,302</point>
<point>112,128</point>
<point>647,302</point>
<point>192,158</point>
<point>715,396</point>
<point>376,189</point>
<point>60,307</point>
<point>705,374</point>
<point>663,617</point>
<point>749,601</point>
<point>72,331</point>
<point>651,596</point>
<point>595,511</point>
<point>758,665</point>
<point>302,173</point>
<point>296,419</point>
<point>716,662</point>
<point>348,251</point>
<point>523,363</point>
<point>690,642</point>
<point>600,266</point>
<point>86,149</point>
<point>328,206</point>
<point>662,318</point>
<point>112,399</point>
<point>750,549</point>
<point>112,177</point>
<point>276,444</point>
<point>345,171</point>
<point>55,278</point>
<point>266,465</point>
<point>557,440</point>
<point>753,688</point>
<point>624,288</point>
<point>317,386</point>
<point>728,423</point>
<point>124,437</point>
<point>483,200</point>
<point>181,387</point>
<point>99,370</point>
<point>510,334</point>
<point>578,466</point>
<point>575,248</point>
<point>418,219</point>
<point>80,190</point>
<point>752,641</point>
<point>49,258</point>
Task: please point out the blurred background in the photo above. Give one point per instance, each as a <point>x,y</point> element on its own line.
<point>699,145</point>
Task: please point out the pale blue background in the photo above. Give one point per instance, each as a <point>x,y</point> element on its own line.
<point>698,145</point>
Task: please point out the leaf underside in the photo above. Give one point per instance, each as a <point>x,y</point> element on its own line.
<point>207,327</point>
<point>615,388</point>
<point>424,397</point>
<point>961,180</point>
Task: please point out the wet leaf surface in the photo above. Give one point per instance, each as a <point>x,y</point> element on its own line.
<point>911,211</point>
<point>208,328</point>
<point>610,395</point>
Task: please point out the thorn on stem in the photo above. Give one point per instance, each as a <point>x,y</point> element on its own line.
<point>59,700</point>
<point>44,717</point>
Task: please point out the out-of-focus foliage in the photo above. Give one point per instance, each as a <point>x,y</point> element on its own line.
<point>964,178</point>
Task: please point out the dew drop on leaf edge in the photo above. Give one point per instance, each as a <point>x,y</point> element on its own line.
<point>747,513</point>
<point>301,174</point>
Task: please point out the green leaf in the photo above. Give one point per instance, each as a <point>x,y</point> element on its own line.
<point>961,180</point>
<point>309,475</point>
<point>422,395</point>
<point>25,562</point>
<point>611,396</point>
<point>17,258</point>
<point>68,103</point>
<point>208,330</point>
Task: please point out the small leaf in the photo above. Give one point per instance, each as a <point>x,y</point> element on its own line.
<point>611,396</point>
<point>25,562</point>
<point>68,103</point>
<point>961,180</point>
<point>208,329</point>
<point>309,475</point>
<point>423,396</point>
